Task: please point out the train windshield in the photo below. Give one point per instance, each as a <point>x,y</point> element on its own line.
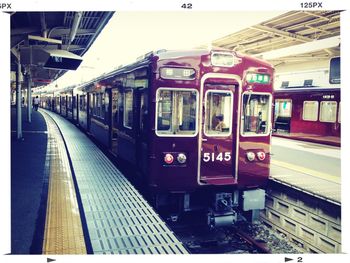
<point>256,108</point>
<point>218,119</point>
<point>176,112</point>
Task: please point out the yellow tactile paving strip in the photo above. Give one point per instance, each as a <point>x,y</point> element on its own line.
<point>63,228</point>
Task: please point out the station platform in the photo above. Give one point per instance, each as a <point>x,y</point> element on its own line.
<point>328,140</point>
<point>309,167</point>
<point>29,183</point>
<point>69,198</point>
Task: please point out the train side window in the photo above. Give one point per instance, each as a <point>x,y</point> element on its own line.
<point>69,106</point>
<point>63,102</point>
<point>115,107</point>
<point>310,111</point>
<point>98,104</point>
<point>128,103</point>
<point>105,103</point>
<point>81,102</point>
<point>102,104</point>
<point>283,108</point>
<point>73,102</point>
<point>143,111</point>
<point>93,104</point>
<point>176,112</point>
<point>328,111</point>
<point>84,103</point>
<point>339,111</point>
<point>218,113</point>
<point>256,114</point>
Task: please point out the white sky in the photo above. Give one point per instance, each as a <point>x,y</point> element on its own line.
<point>131,34</point>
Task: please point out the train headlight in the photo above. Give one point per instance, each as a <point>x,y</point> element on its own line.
<point>250,156</point>
<point>168,158</point>
<point>181,158</point>
<point>261,156</point>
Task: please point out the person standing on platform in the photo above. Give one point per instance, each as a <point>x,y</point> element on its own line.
<point>36,103</point>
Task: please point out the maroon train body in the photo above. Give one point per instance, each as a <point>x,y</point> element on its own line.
<point>309,114</point>
<point>195,124</point>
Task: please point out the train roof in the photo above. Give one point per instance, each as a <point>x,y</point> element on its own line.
<point>163,54</point>
<point>307,89</point>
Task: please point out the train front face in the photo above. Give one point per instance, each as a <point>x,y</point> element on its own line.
<point>211,117</point>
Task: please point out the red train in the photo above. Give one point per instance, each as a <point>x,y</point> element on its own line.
<point>195,124</point>
<point>310,113</point>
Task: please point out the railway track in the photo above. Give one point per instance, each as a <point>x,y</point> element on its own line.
<point>243,238</point>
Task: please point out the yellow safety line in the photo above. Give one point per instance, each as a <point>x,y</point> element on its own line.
<point>332,178</point>
<point>63,228</point>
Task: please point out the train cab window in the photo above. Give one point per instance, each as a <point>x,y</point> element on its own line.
<point>218,113</point>
<point>328,111</point>
<point>176,112</point>
<point>128,102</point>
<point>256,114</point>
<point>310,111</point>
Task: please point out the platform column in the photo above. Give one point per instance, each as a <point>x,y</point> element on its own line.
<point>19,99</point>
<point>29,97</point>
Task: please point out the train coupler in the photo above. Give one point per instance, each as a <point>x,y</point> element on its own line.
<point>222,212</point>
<point>221,219</point>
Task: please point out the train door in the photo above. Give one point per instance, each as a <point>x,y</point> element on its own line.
<point>218,134</point>
<point>283,115</point>
<point>141,129</point>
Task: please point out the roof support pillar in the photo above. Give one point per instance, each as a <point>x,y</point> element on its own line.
<point>19,100</point>
<point>29,97</point>
<point>43,24</point>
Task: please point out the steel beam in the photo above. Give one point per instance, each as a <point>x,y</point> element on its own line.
<point>301,48</point>
<point>282,33</point>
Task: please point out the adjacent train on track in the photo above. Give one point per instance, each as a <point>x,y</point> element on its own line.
<point>310,109</point>
<point>195,124</point>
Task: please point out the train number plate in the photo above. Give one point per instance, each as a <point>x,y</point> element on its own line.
<point>222,157</point>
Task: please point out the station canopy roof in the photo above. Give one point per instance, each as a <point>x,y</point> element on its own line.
<point>75,30</point>
<point>288,38</point>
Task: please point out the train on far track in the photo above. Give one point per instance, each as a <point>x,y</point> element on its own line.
<point>307,104</point>
<point>195,124</point>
